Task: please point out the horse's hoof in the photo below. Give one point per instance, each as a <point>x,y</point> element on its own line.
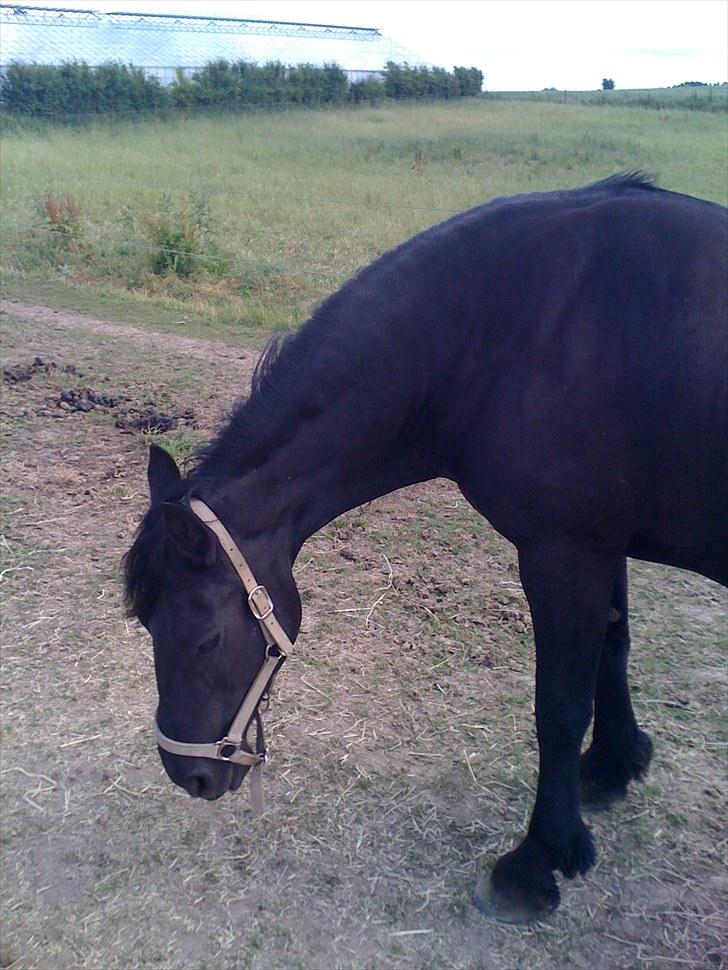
<point>520,888</point>
<point>604,778</point>
<point>598,797</point>
<point>511,906</point>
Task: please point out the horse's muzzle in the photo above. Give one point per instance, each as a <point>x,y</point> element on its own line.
<point>202,778</point>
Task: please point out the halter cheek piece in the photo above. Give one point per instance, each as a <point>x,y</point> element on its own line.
<point>277,648</point>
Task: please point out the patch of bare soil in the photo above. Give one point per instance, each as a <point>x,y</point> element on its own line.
<point>401,731</point>
<point>58,319</point>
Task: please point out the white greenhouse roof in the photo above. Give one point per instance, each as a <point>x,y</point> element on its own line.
<point>44,35</point>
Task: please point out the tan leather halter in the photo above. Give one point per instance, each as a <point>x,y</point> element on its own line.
<point>277,648</point>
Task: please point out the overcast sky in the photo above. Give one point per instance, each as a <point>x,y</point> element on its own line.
<point>517,44</point>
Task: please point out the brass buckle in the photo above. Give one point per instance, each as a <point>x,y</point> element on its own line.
<point>258,613</point>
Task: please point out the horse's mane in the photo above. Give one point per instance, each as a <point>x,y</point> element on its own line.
<point>634,179</point>
<point>282,373</point>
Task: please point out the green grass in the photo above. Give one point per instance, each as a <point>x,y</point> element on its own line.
<point>708,98</point>
<point>298,201</point>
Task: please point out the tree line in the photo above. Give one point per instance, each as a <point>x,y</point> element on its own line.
<point>75,88</point>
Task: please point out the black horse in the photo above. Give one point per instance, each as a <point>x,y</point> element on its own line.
<point>562,358</point>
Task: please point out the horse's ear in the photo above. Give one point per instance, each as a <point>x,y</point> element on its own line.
<point>162,473</point>
<point>193,539</point>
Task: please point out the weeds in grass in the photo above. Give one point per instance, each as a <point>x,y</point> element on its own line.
<point>64,217</point>
<point>418,165</point>
<point>61,240</point>
<point>182,237</point>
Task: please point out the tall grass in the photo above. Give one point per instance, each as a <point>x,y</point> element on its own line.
<point>298,201</point>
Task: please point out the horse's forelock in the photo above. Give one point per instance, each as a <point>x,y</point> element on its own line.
<point>142,568</point>
<point>142,565</point>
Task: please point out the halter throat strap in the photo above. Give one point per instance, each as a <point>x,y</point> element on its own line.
<point>278,647</point>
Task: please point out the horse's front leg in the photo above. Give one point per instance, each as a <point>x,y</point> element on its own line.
<point>569,591</point>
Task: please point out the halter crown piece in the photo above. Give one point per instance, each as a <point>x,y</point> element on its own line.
<point>277,648</point>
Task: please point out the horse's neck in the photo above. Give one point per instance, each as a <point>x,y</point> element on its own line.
<point>365,441</point>
<point>358,477</point>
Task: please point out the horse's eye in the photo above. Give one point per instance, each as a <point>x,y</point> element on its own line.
<point>209,645</point>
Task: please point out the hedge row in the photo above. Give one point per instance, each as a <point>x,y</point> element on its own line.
<point>75,88</point>
<point>403,81</point>
<point>43,91</point>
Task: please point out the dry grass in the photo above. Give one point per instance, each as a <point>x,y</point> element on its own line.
<point>402,731</point>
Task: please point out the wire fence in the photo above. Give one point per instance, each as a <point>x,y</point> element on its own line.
<point>308,199</point>
<point>45,115</point>
<point>230,184</point>
<point>257,200</point>
<point>135,243</point>
<point>710,98</point>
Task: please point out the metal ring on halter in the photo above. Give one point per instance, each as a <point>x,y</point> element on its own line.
<point>227,743</point>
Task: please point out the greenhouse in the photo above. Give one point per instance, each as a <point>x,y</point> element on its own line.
<point>164,44</point>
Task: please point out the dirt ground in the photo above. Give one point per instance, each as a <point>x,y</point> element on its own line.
<point>402,730</point>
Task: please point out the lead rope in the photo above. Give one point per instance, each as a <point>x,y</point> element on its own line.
<point>257,798</point>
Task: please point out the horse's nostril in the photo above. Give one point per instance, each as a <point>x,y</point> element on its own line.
<point>199,783</point>
<point>194,785</point>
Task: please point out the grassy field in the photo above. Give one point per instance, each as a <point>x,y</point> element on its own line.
<point>284,207</point>
<point>402,730</point>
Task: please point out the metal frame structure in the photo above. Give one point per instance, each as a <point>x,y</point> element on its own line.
<point>67,17</point>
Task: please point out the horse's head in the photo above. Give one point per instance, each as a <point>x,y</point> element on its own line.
<point>209,647</point>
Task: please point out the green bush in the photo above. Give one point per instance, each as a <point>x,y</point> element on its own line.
<point>470,81</point>
<point>33,89</point>
<point>368,91</point>
<point>75,89</point>
<point>262,84</point>
<point>121,88</point>
<point>228,85</point>
<point>307,84</point>
<point>216,84</point>
<point>406,81</point>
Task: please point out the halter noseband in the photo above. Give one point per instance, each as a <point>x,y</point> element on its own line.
<point>277,648</point>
